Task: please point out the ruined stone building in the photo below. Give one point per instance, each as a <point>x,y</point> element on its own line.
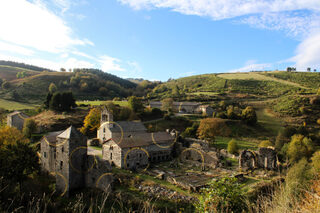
<point>64,154</point>
<point>128,144</point>
<point>16,119</point>
<point>265,158</point>
<point>185,107</point>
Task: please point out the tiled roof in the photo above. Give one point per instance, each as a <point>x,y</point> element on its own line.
<point>143,139</point>
<point>51,137</point>
<point>129,126</point>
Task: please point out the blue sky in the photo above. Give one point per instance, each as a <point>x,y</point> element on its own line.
<point>161,39</point>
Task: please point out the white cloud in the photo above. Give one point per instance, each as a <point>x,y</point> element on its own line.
<point>33,25</point>
<point>251,67</point>
<point>308,53</point>
<point>15,49</point>
<point>222,9</point>
<point>110,64</point>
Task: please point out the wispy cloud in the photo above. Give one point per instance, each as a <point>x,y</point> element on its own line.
<point>222,9</point>
<point>252,66</point>
<point>110,64</point>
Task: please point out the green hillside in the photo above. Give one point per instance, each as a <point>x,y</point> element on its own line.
<point>252,84</point>
<point>86,84</point>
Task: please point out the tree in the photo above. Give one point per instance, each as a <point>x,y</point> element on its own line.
<point>191,131</point>
<point>224,195</point>
<point>299,147</point>
<point>91,122</point>
<point>47,101</point>
<point>309,69</point>
<point>61,101</point>
<point>18,161</point>
<point>29,127</point>
<point>135,104</point>
<point>62,69</point>
<point>167,104</point>
<point>265,144</point>
<point>209,128</point>
<point>249,115</point>
<point>318,92</point>
<point>55,102</point>
<point>5,85</point>
<point>103,91</point>
<point>11,135</point>
<point>175,91</point>
<point>316,162</point>
<point>1,81</point>
<point>52,88</point>
<point>233,147</point>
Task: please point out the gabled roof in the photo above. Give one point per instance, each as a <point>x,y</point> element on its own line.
<point>143,139</point>
<point>51,137</point>
<point>18,113</point>
<point>129,126</point>
<point>71,132</point>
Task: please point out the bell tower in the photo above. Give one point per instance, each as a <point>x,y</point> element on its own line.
<point>106,116</point>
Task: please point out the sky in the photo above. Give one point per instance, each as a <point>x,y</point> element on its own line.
<point>162,39</point>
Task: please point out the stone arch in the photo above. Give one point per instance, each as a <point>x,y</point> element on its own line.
<point>248,160</point>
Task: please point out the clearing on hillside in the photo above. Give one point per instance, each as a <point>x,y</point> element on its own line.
<point>12,105</point>
<point>257,76</point>
<point>10,73</point>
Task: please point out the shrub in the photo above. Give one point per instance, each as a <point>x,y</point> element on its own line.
<point>265,144</point>
<point>316,162</point>
<point>135,104</point>
<point>233,147</point>
<point>29,127</point>
<point>299,147</point>
<point>225,195</point>
<point>249,115</point>
<point>53,88</point>
<point>191,131</point>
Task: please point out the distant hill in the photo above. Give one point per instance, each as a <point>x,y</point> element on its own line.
<point>246,85</point>
<point>86,84</point>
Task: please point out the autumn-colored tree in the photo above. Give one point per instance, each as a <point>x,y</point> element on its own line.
<point>11,135</point>
<point>167,104</point>
<point>52,88</point>
<point>265,144</point>
<point>299,147</point>
<point>91,122</point>
<point>209,128</point>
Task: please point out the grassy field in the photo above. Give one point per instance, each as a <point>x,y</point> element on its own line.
<point>11,105</point>
<point>257,76</point>
<point>9,73</point>
<point>98,103</point>
<point>222,143</point>
<point>269,121</point>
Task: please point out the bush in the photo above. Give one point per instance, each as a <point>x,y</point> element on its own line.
<point>233,147</point>
<point>249,115</point>
<point>53,88</point>
<point>29,127</point>
<point>225,195</point>
<point>265,144</point>
<point>316,162</point>
<point>299,147</point>
<point>191,131</point>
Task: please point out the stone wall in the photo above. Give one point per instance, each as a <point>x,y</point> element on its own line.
<point>15,121</point>
<point>263,158</point>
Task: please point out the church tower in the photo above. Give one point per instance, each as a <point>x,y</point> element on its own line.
<point>106,116</point>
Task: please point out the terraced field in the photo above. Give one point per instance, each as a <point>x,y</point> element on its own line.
<point>257,76</point>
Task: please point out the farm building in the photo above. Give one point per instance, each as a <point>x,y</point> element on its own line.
<point>184,107</point>
<point>16,119</point>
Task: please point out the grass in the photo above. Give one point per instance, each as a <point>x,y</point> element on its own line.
<point>260,77</point>
<point>98,103</point>
<point>12,105</point>
<point>269,121</point>
<point>222,143</point>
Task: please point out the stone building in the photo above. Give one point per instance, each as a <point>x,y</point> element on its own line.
<point>129,145</point>
<point>183,107</point>
<point>205,109</point>
<point>263,158</point>
<point>16,119</point>
<point>64,154</point>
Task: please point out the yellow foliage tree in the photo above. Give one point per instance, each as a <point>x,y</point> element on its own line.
<point>91,122</point>
<point>265,144</point>
<point>10,136</point>
<point>209,128</point>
